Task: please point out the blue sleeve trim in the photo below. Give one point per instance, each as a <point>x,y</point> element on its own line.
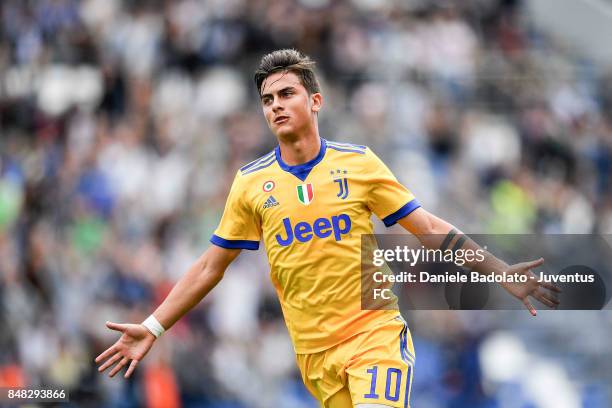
<point>409,207</point>
<point>234,243</point>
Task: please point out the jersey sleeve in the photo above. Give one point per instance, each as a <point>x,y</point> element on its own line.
<point>240,226</point>
<point>387,197</point>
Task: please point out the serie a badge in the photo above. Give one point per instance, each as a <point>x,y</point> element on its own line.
<point>305,193</point>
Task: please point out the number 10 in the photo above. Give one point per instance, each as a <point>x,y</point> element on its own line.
<point>394,375</point>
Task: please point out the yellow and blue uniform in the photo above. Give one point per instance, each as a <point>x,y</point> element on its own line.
<point>311,218</point>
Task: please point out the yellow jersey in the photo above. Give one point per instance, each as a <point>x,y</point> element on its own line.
<point>311,218</point>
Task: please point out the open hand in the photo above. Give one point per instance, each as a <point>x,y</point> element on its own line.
<point>522,290</point>
<point>134,343</point>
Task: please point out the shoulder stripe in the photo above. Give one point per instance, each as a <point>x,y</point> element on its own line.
<point>349,145</point>
<point>268,159</point>
<point>258,161</point>
<point>346,150</point>
<point>262,166</point>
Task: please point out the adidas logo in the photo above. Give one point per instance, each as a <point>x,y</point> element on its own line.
<point>270,202</point>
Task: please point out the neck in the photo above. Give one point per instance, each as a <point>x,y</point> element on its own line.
<point>300,150</point>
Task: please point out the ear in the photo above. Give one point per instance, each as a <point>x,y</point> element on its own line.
<point>316,102</point>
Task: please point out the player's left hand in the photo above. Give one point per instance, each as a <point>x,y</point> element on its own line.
<point>134,343</point>
<point>533,288</point>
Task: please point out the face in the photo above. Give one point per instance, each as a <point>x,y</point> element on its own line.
<point>288,108</point>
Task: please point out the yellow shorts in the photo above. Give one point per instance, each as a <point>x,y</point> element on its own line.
<point>374,367</point>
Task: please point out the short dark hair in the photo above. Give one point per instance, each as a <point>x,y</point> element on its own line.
<point>288,60</point>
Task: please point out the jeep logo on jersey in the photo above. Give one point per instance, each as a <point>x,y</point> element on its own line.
<point>339,225</point>
<point>305,193</point>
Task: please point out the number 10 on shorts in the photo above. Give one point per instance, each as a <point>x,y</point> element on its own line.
<point>393,383</point>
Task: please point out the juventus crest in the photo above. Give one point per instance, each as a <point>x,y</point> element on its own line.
<point>343,188</point>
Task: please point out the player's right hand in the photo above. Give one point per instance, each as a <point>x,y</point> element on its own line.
<point>531,286</point>
<point>134,343</point>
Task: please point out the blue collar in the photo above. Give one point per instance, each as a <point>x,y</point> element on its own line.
<point>301,171</point>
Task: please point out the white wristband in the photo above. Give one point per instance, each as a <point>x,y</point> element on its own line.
<point>153,326</point>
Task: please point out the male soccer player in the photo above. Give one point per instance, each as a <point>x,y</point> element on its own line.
<point>310,200</point>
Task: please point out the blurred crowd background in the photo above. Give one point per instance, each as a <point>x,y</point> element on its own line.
<point>122,124</point>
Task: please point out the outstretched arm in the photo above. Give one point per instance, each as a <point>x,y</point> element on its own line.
<point>433,232</point>
<point>136,340</point>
